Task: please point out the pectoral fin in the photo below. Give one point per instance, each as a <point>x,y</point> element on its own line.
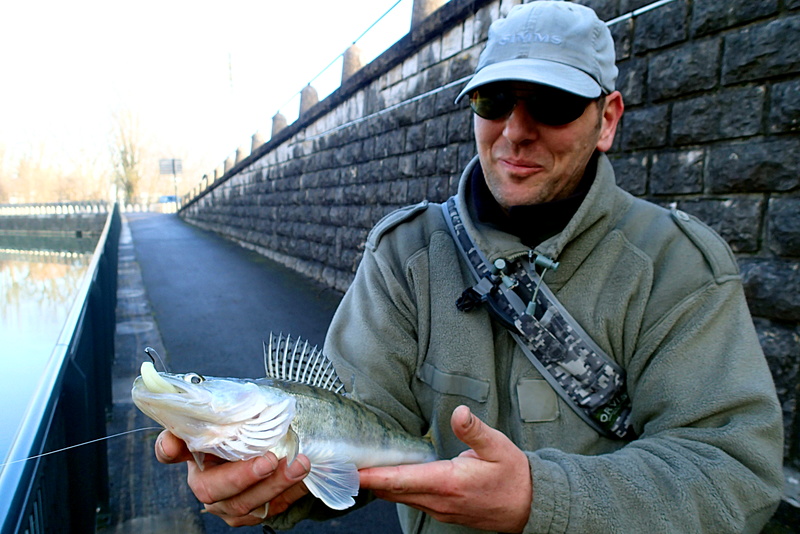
<point>333,478</point>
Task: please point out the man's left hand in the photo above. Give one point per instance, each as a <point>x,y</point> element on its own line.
<point>487,487</point>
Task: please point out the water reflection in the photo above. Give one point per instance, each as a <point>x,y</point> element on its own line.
<point>37,289</point>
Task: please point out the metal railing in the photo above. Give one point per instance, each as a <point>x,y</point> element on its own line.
<point>55,208</point>
<point>63,492</point>
<point>48,209</point>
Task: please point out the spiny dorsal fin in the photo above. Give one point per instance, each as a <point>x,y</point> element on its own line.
<point>296,361</point>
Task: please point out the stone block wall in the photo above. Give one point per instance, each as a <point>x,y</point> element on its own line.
<point>712,92</point>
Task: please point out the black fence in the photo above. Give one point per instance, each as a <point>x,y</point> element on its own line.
<point>63,492</point>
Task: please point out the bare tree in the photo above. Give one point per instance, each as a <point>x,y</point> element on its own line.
<point>28,178</point>
<point>127,155</point>
<point>35,179</point>
<point>88,178</point>
<point>45,174</point>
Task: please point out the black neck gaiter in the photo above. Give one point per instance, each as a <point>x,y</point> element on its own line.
<point>532,224</point>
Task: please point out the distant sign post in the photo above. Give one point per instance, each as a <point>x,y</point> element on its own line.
<point>173,167</point>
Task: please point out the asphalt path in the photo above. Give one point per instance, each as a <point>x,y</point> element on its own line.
<point>215,303</point>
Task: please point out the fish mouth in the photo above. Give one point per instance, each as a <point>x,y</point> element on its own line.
<point>153,393</point>
<point>154,382</point>
<point>142,389</point>
<point>151,383</point>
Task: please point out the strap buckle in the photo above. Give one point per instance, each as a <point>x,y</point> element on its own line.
<point>474,296</point>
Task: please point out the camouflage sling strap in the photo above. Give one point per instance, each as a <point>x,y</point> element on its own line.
<point>578,370</point>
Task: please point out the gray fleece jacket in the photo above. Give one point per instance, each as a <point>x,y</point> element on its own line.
<point>657,290</point>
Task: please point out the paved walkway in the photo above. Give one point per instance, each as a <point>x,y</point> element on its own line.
<point>205,304</point>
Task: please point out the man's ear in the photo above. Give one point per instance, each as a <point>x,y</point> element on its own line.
<point>612,113</point>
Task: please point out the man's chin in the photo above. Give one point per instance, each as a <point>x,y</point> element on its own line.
<point>511,197</point>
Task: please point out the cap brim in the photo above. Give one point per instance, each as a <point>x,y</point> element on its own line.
<point>537,71</point>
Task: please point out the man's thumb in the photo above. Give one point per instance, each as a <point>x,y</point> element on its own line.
<point>472,431</point>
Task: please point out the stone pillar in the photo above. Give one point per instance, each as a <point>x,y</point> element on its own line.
<point>278,123</point>
<point>423,8</point>
<point>256,141</point>
<point>308,98</point>
<point>352,62</point>
<point>219,172</point>
<point>229,163</point>
<point>241,153</point>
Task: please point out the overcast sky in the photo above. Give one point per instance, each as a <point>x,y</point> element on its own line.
<point>202,76</point>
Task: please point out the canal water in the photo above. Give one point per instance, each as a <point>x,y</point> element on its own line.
<point>40,277</point>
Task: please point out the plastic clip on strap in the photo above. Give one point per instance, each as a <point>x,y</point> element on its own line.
<point>586,378</point>
<point>474,296</point>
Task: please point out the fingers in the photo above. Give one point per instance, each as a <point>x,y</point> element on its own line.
<point>404,479</point>
<point>283,501</point>
<point>488,486</point>
<point>223,481</point>
<point>233,490</point>
<point>484,441</point>
<point>171,450</point>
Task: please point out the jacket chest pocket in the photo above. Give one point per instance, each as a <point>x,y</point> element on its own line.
<point>454,384</point>
<point>538,403</point>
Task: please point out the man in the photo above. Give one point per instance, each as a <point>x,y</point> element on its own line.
<point>656,291</point>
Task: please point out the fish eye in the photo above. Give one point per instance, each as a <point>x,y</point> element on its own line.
<point>193,378</point>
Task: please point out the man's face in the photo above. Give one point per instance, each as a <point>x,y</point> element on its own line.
<point>528,162</point>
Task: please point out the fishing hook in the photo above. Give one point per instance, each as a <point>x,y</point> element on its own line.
<point>150,351</point>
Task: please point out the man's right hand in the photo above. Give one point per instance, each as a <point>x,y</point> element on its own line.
<point>238,491</point>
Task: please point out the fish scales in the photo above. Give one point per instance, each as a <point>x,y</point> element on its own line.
<point>240,419</point>
<point>326,416</point>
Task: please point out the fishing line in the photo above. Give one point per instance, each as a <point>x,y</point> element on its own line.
<point>150,351</point>
<point>81,445</point>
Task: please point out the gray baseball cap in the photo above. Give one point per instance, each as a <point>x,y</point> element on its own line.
<point>549,42</point>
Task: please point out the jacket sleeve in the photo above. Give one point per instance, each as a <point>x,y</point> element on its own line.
<point>709,450</point>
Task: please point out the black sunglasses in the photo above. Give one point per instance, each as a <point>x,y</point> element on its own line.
<point>547,105</point>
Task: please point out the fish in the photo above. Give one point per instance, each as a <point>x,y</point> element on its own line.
<point>299,407</point>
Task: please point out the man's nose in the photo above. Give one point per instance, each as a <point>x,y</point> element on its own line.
<point>520,126</point>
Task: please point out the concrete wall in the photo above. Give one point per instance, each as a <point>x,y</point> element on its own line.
<point>712,90</point>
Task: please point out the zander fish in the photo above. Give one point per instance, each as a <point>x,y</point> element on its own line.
<point>300,407</point>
